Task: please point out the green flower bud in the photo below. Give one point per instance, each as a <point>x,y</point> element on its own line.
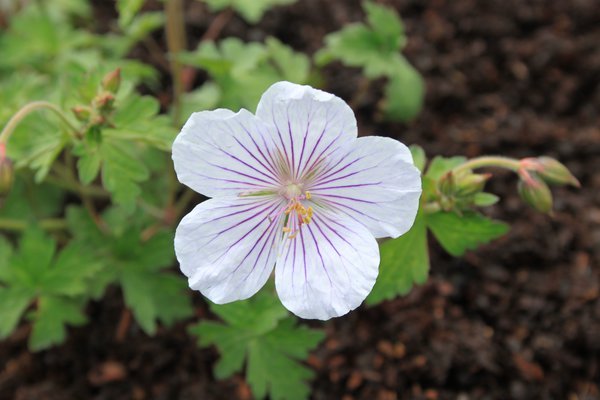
<point>6,172</point>
<point>471,184</point>
<point>554,172</point>
<point>535,192</point>
<point>446,184</point>
<point>82,113</point>
<point>112,81</point>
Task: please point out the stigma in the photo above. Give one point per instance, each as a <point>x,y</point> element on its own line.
<point>296,215</point>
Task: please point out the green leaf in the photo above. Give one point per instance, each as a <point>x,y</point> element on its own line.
<point>386,22</point>
<point>29,201</point>
<point>440,165</point>
<point>56,283</point>
<point>374,47</point>
<point>404,262</point>
<point>484,199</point>
<point>50,318</point>
<point>243,71</point>
<point>88,166</point>
<point>153,297</point>
<point>13,302</point>
<point>419,157</point>
<point>251,11</point>
<point>457,233</point>
<point>261,331</point>
<point>122,172</point>
<point>71,272</point>
<point>127,10</point>
<point>139,267</point>
<point>404,93</point>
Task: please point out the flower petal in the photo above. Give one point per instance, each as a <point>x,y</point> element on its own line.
<point>227,247</point>
<point>375,184</point>
<point>328,269</point>
<point>225,153</point>
<point>311,124</point>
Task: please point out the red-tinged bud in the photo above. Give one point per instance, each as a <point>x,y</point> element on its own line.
<point>471,184</point>
<point>534,191</point>
<point>82,113</point>
<point>552,171</point>
<point>104,102</point>
<point>6,172</point>
<point>112,81</point>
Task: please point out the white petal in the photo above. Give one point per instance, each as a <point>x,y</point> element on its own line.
<point>225,153</point>
<point>328,269</point>
<point>375,184</point>
<point>311,124</point>
<point>227,247</point>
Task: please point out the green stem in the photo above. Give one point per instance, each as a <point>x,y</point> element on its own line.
<point>176,43</point>
<point>33,106</point>
<point>489,161</point>
<point>76,187</point>
<point>50,224</point>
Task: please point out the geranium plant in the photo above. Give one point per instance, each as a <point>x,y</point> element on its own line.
<point>98,188</point>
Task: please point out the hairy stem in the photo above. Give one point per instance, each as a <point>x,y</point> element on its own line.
<point>176,43</point>
<point>490,161</point>
<point>33,106</point>
<point>51,224</point>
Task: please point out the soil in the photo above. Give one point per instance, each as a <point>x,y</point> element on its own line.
<point>516,319</point>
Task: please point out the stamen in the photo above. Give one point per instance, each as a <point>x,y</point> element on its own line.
<point>307,195</point>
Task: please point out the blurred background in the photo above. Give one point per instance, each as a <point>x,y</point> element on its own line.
<point>518,319</point>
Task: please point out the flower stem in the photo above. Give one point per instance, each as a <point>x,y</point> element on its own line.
<point>33,106</point>
<point>490,161</point>
<point>51,224</point>
<point>176,43</point>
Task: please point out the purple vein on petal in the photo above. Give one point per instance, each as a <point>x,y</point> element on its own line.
<point>240,173</point>
<point>319,251</point>
<point>268,160</point>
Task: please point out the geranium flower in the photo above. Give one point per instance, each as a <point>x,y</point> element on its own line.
<point>294,189</point>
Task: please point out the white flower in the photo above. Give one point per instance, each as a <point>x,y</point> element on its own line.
<point>294,189</point>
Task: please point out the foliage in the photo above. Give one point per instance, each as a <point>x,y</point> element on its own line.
<point>243,71</point>
<point>53,282</point>
<point>405,260</point>
<point>261,332</point>
<point>252,11</point>
<point>375,47</point>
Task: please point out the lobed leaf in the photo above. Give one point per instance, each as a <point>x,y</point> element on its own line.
<point>404,262</point>
<point>261,331</point>
<point>459,233</point>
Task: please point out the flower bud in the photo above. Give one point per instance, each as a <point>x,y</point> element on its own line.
<point>446,184</point>
<point>535,192</point>
<point>82,113</point>
<point>104,102</point>
<point>6,172</point>
<point>471,184</point>
<point>554,172</point>
<point>112,81</point>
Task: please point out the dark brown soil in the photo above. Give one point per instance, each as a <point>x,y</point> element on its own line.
<point>517,319</point>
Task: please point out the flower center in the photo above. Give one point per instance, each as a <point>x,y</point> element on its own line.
<point>292,191</point>
<point>296,213</point>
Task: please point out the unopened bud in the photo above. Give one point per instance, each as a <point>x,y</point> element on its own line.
<point>82,113</point>
<point>104,101</point>
<point>6,172</point>
<point>534,191</point>
<point>471,184</point>
<point>552,171</point>
<point>112,81</point>
<point>446,184</point>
